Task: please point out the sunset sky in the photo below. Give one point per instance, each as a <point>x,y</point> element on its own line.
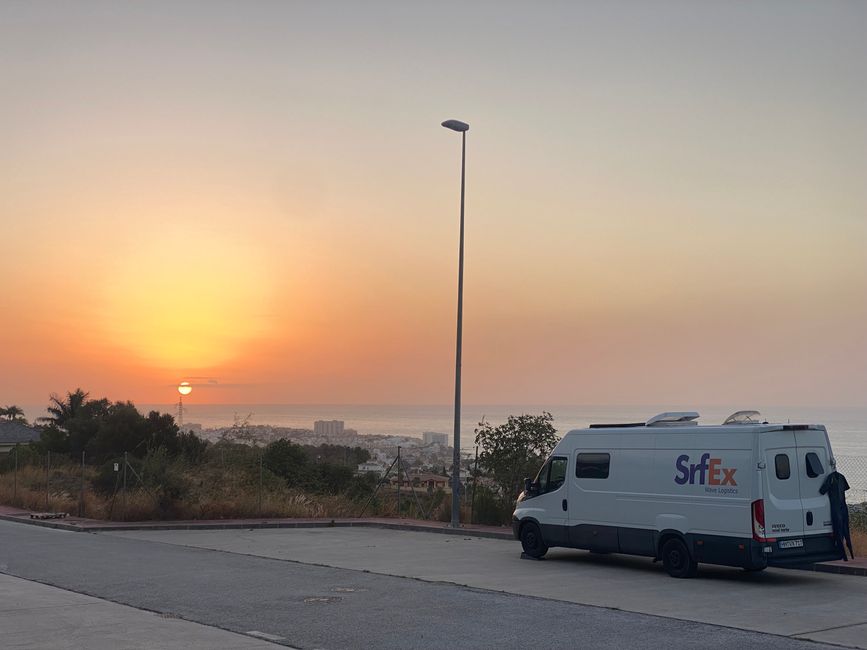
<point>666,201</point>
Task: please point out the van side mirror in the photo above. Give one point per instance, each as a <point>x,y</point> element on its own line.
<point>531,488</point>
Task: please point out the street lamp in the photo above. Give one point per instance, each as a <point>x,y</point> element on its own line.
<point>462,128</point>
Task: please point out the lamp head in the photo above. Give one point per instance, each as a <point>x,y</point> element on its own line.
<point>456,125</point>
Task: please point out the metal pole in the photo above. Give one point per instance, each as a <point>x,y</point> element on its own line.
<point>378,485</point>
<point>475,479</point>
<point>124,487</point>
<point>15,478</point>
<point>260,483</point>
<point>81,496</point>
<point>398,480</point>
<point>47,479</point>
<point>456,470</point>
<point>414,496</point>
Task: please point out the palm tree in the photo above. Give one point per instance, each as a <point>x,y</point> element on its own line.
<point>62,410</point>
<point>12,412</point>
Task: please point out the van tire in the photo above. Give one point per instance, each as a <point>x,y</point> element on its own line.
<point>754,569</point>
<point>531,540</point>
<point>677,560</point>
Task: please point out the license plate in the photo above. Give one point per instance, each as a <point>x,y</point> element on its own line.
<point>791,543</point>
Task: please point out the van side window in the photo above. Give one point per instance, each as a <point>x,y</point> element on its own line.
<point>593,465</point>
<point>781,463</point>
<point>814,465</point>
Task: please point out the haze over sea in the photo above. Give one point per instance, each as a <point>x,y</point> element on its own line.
<point>847,426</point>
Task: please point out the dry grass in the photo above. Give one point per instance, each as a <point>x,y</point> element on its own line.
<point>222,493</point>
<point>211,497</point>
<point>859,542</point>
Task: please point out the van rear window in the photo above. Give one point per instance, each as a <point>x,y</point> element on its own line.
<point>781,463</point>
<point>814,465</point>
<point>593,465</point>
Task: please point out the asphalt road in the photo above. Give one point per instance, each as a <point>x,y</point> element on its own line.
<point>34,615</point>
<point>798,604</point>
<point>308,606</point>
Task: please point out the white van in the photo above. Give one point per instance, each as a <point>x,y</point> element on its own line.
<point>743,494</point>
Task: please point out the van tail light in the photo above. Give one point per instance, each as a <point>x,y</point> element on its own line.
<point>759,522</point>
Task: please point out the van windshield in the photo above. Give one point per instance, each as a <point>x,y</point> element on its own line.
<point>542,477</point>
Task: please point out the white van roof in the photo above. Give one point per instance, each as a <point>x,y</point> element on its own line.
<point>740,421</point>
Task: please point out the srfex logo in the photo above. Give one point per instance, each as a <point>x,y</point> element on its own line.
<point>708,468</point>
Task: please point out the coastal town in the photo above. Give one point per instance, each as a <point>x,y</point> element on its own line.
<point>424,461</point>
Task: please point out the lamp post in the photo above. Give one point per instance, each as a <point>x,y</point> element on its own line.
<point>462,128</point>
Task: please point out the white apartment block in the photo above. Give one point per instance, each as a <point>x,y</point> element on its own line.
<point>328,427</point>
<point>432,437</point>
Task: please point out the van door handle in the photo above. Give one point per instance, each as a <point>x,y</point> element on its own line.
<point>809,518</point>
<point>565,505</point>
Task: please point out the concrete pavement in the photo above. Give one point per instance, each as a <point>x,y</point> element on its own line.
<point>307,606</point>
<point>33,615</point>
<point>796,604</point>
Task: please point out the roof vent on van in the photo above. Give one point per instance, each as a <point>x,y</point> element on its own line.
<point>673,419</point>
<point>745,417</point>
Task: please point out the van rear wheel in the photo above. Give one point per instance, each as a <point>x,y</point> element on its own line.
<point>677,560</point>
<point>531,540</point>
<point>754,569</point>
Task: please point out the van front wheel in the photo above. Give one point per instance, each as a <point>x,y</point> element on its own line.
<point>531,540</point>
<point>677,560</point>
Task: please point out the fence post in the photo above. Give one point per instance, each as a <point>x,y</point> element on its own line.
<point>259,507</point>
<point>47,479</point>
<point>123,515</point>
<point>15,478</point>
<point>475,479</point>
<point>81,495</point>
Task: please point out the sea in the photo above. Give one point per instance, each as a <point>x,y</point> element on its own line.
<point>847,426</point>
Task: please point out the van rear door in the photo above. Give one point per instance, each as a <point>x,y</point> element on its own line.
<point>814,467</point>
<point>783,507</point>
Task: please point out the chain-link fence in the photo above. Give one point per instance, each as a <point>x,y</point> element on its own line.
<point>854,468</point>
<point>232,480</point>
<point>218,481</point>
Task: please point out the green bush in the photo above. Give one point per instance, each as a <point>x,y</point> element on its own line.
<point>165,479</point>
<point>490,509</point>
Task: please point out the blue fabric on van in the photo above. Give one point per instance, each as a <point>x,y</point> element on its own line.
<point>835,487</point>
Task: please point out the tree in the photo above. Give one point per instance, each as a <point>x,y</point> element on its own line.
<point>516,449</point>
<point>62,411</point>
<point>77,424</point>
<point>287,461</point>
<point>12,412</point>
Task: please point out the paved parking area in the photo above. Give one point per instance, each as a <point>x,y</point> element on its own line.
<point>310,605</point>
<point>34,615</point>
<point>798,604</point>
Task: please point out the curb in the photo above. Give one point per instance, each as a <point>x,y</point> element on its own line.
<point>840,569</point>
<point>237,525</point>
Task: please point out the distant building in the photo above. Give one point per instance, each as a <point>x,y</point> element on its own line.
<point>372,467</point>
<point>432,437</point>
<point>328,427</point>
<point>12,433</point>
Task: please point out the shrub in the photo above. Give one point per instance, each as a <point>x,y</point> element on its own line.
<point>490,509</point>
